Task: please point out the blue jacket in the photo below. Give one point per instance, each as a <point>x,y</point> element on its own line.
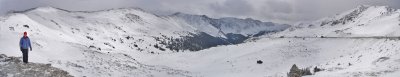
<point>25,43</point>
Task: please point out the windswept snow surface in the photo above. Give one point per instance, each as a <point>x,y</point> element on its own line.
<point>107,42</point>
<point>360,43</point>
<point>364,21</point>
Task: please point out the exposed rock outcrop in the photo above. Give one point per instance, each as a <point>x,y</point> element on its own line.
<point>14,67</point>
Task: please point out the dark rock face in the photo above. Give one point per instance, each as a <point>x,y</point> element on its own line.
<point>259,62</point>
<point>13,66</point>
<point>235,38</point>
<point>296,72</point>
<point>316,69</point>
<point>196,42</point>
<point>26,26</point>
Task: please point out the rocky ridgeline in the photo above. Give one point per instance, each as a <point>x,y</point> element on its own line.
<point>14,67</point>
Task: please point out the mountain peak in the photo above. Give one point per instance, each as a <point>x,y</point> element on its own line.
<point>180,14</point>
<point>361,12</point>
<point>54,9</point>
<point>47,9</point>
<point>24,11</point>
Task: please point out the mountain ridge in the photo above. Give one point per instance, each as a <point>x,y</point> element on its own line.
<point>135,43</point>
<point>160,28</point>
<point>364,21</point>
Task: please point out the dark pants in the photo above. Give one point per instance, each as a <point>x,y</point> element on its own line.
<point>25,55</point>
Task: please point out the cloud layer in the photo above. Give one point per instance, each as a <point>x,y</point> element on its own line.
<point>281,11</point>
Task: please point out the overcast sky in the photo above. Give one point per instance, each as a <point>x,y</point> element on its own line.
<point>281,11</point>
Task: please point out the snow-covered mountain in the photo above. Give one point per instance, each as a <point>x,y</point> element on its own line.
<point>245,27</point>
<point>362,42</point>
<point>174,32</point>
<point>364,21</point>
<point>103,43</point>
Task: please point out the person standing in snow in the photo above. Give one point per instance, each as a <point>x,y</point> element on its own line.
<point>24,44</point>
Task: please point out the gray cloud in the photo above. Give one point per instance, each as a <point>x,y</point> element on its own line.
<point>279,6</point>
<point>8,5</point>
<point>282,11</point>
<point>233,7</point>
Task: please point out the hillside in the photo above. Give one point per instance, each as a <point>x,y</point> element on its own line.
<point>362,42</point>
<point>102,43</point>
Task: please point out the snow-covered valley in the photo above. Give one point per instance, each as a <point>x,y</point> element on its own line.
<point>362,42</point>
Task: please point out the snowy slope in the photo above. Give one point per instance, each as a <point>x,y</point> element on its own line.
<point>364,21</point>
<point>72,52</point>
<point>362,42</point>
<point>362,51</point>
<point>368,50</point>
<point>367,57</point>
<point>96,43</point>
